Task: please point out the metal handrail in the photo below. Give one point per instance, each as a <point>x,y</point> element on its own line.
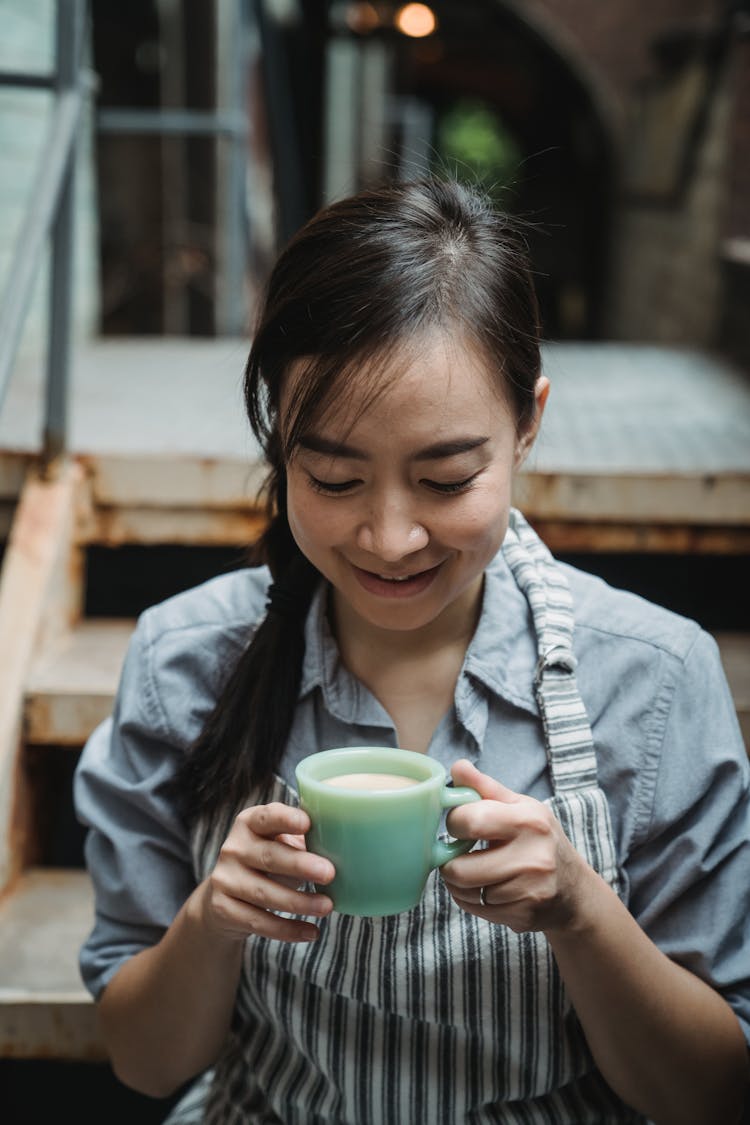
<point>165,122</point>
<point>27,80</point>
<point>49,211</point>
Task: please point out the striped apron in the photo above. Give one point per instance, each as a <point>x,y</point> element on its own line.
<point>434,1016</point>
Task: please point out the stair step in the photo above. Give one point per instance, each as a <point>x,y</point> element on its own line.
<point>72,688</point>
<point>45,1012</point>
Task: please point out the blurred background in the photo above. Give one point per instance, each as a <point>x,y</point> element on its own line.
<point>208,132</point>
<point>619,130</point>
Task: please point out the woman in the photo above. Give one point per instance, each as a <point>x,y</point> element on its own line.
<point>588,962</point>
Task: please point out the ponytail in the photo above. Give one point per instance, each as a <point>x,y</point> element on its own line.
<point>244,738</point>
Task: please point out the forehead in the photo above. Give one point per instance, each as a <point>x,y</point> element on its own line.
<point>433,382</point>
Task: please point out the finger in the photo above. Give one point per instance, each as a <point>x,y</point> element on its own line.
<point>478,869</point>
<point>486,820</point>
<point>474,898</point>
<point>464,772</point>
<point>495,894</point>
<point>504,888</point>
<point>463,894</point>
<point>267,892</point>
<point>300,844</point>
<point>277,858</point>
<point>275,819</point>
<point>246,849</point>
<point>293,841</point>
<point>241,917</point>
<point>513,910</point>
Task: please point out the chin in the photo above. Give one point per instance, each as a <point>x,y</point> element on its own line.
<point>399,615</point>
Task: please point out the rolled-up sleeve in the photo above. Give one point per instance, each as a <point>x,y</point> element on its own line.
<point>137,848</point>
<point>689,868</point>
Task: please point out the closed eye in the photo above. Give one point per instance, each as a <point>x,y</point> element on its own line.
<point>452,486</point>
<point>334,488</point>
<point>331,488</point>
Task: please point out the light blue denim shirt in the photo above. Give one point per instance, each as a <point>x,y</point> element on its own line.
<point>669,751</point>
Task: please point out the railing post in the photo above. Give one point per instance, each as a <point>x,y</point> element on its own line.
<point>70,16</point>
<point>232,303</point>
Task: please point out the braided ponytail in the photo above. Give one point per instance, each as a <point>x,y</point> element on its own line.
<point>245,735</point>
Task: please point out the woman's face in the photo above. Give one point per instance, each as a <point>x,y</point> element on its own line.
<point>403,503</point>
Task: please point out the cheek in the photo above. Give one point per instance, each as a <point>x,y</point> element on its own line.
<point>300,508</point>
<point>484,518</point>
<point>311,520</point>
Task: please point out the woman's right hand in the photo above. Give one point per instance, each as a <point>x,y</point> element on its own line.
<point>261,863</point>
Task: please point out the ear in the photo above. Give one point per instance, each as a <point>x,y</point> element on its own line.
<point>528,437</point>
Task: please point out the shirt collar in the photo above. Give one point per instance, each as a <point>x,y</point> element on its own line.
<point>321,651</point>
<point>502,654</point>
<point>345,698</point>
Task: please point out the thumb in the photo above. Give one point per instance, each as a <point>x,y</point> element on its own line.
<point>464,773</point>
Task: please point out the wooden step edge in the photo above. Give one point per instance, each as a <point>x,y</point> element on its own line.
<point>54,1026</point>
<point>72,687</point>
<point>63,721</point>
<point>45,1011</point>
<point>23,996</point>
<point>40,594</point>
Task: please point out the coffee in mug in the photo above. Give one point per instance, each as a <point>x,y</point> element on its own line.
<point>371,781</point>
<point>375,813</point>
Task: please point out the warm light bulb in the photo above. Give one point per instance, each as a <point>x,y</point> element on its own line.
<point>416,20</point>
<point>362,18</point>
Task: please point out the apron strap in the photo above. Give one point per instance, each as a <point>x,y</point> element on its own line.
<point>567,732</point>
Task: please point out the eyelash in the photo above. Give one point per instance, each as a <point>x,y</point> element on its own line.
<point>333,489</point>
<point>337,489</point>
<point>457,486</point>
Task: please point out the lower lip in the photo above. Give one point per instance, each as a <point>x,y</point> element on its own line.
<point>409,588</point>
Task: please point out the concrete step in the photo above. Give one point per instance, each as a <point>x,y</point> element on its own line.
<point>45,1012</point>
<point>72,687</point>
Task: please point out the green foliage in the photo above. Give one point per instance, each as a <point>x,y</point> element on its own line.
<point>475,146</point>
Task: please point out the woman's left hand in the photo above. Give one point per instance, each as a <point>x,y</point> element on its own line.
<point>533,877</point>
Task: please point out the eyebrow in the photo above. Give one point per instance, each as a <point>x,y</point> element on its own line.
<point>435,452</point>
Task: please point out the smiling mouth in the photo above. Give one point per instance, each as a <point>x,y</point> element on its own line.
<point>399,578</point>
<point>396,585</point>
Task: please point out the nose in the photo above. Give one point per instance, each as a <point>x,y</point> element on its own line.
<point>391,532</point>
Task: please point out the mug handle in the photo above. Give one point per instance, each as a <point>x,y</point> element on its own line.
<point>450,799</point>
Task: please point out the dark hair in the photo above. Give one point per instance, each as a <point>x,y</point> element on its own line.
<point>362,277</point>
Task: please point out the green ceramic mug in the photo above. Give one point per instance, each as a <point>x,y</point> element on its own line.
<point>379,833</point>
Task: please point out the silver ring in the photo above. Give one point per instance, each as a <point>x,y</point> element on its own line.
<point>482,899</point>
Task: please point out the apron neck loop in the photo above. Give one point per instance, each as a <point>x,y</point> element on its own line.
<point>557,656</point>
<point>567,732</point>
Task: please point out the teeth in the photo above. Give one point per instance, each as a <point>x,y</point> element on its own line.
<point>390,578</point>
